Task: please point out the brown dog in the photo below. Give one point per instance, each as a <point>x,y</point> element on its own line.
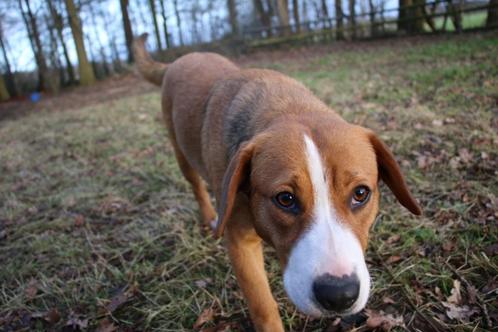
<point>284,169</point>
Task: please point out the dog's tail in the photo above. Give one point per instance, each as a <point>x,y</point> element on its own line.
<point>151,70</point>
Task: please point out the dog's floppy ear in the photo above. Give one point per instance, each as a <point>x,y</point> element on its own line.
<point>390,173</point>
<point>237,172</point>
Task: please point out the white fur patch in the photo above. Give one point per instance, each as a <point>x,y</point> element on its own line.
<point>328,246</point>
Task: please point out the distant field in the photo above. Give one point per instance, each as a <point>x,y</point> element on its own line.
<point>98,229</point>
<point>469,21</point>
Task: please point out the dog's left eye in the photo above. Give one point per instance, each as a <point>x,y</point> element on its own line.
<point>361,194</point>
<point>287,201</point>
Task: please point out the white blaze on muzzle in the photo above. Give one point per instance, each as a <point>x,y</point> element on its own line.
<point>327,247</point>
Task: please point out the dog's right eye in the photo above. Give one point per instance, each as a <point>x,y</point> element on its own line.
<point>286,201</point>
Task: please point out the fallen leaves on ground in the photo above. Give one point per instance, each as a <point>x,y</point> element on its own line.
<point>106,325</point>
<point>121,297</point>
<point>77,321</point>
<point>31,290</point>
<point>455,309</point>
<point>51,316</point>
<point>206,315</point>
<point>383,321</point>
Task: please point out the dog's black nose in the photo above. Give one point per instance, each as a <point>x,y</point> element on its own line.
<point>336,294</point>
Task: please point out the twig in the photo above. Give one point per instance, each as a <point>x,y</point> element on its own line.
<point>480,301</point>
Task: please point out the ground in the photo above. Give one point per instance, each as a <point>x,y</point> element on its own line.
<point>99,231</point>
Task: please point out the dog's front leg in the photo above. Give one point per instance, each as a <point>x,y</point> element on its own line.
<point>246,254</point>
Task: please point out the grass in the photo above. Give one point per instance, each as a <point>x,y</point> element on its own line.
<point>98,228</point>
<point>476,19</point>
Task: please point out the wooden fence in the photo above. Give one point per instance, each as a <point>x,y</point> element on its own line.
<point>425,18</point>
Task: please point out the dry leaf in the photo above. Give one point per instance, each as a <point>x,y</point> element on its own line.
<point>31,290</point>
<point>465,155</point>
<point>380,320</point>
<point>448,246</point>
<point>456,295</point>
<point>106,325</point>
<point>461,313</point>
<point>79,220</point>
<point>393,238</point>
<point>472,293</point>
<point>117,300</point>
<point>220,327</point>
<point>77,322</point>
<point>393,259</point>
<point>437,123</point>
<point>202,283</point>
<point>205,316</point>
<point>52,316</point>
<point>388,300</point>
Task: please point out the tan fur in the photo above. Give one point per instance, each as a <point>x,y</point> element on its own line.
<point>241,130</point>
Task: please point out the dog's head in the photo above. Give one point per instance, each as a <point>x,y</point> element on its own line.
<point>314,195</point>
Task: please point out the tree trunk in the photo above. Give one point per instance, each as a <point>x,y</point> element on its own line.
<point>429,17</point>
<point>295,12</point>
<point>152,5</point>
<point>4,93</point>
<point>411,16</point>
<point>58,24</point>
<point>127,28</point>
<point>373,26</point>
<point>32,27</point>
<point>325,9</point>
<point>178,21</point>
<point>417,16</point>
<point>492,19</point>
<point>264,16</point>
<point>339,17</point>
<point>10,81</point>
<point>352,18</point>
<point>283,16</point>
<point>402,14</point>
<point>165,24</point>
<point>55,73</point>
<point>87,76</point>
<point>232,13</point>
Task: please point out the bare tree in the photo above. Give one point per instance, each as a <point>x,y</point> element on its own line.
<point>4,93</point>
<point>411,15</point>
<point>295,12</point>
<point>9,77</point>
<point>165,24</point>
<point>178,21</point>
<point>371,14</point>
<point>127,28</point>
<point>325,9</point>
<point>116,61</point>
<point>264,15</point>
<point>283,15</point>
<point>34,36</point>
<point>152,6</point>
<point>232,14</point>
<point>492,19</point>
<point>87,76</point>
<point>58,24</point>
<point>339,14</point>
<point>352,18</point>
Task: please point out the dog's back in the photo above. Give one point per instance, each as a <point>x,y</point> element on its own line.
<point>186,84</point>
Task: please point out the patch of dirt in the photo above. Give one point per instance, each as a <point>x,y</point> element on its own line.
<point>77,97</point>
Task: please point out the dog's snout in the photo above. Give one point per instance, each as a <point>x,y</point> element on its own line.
<point>336,294</point>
